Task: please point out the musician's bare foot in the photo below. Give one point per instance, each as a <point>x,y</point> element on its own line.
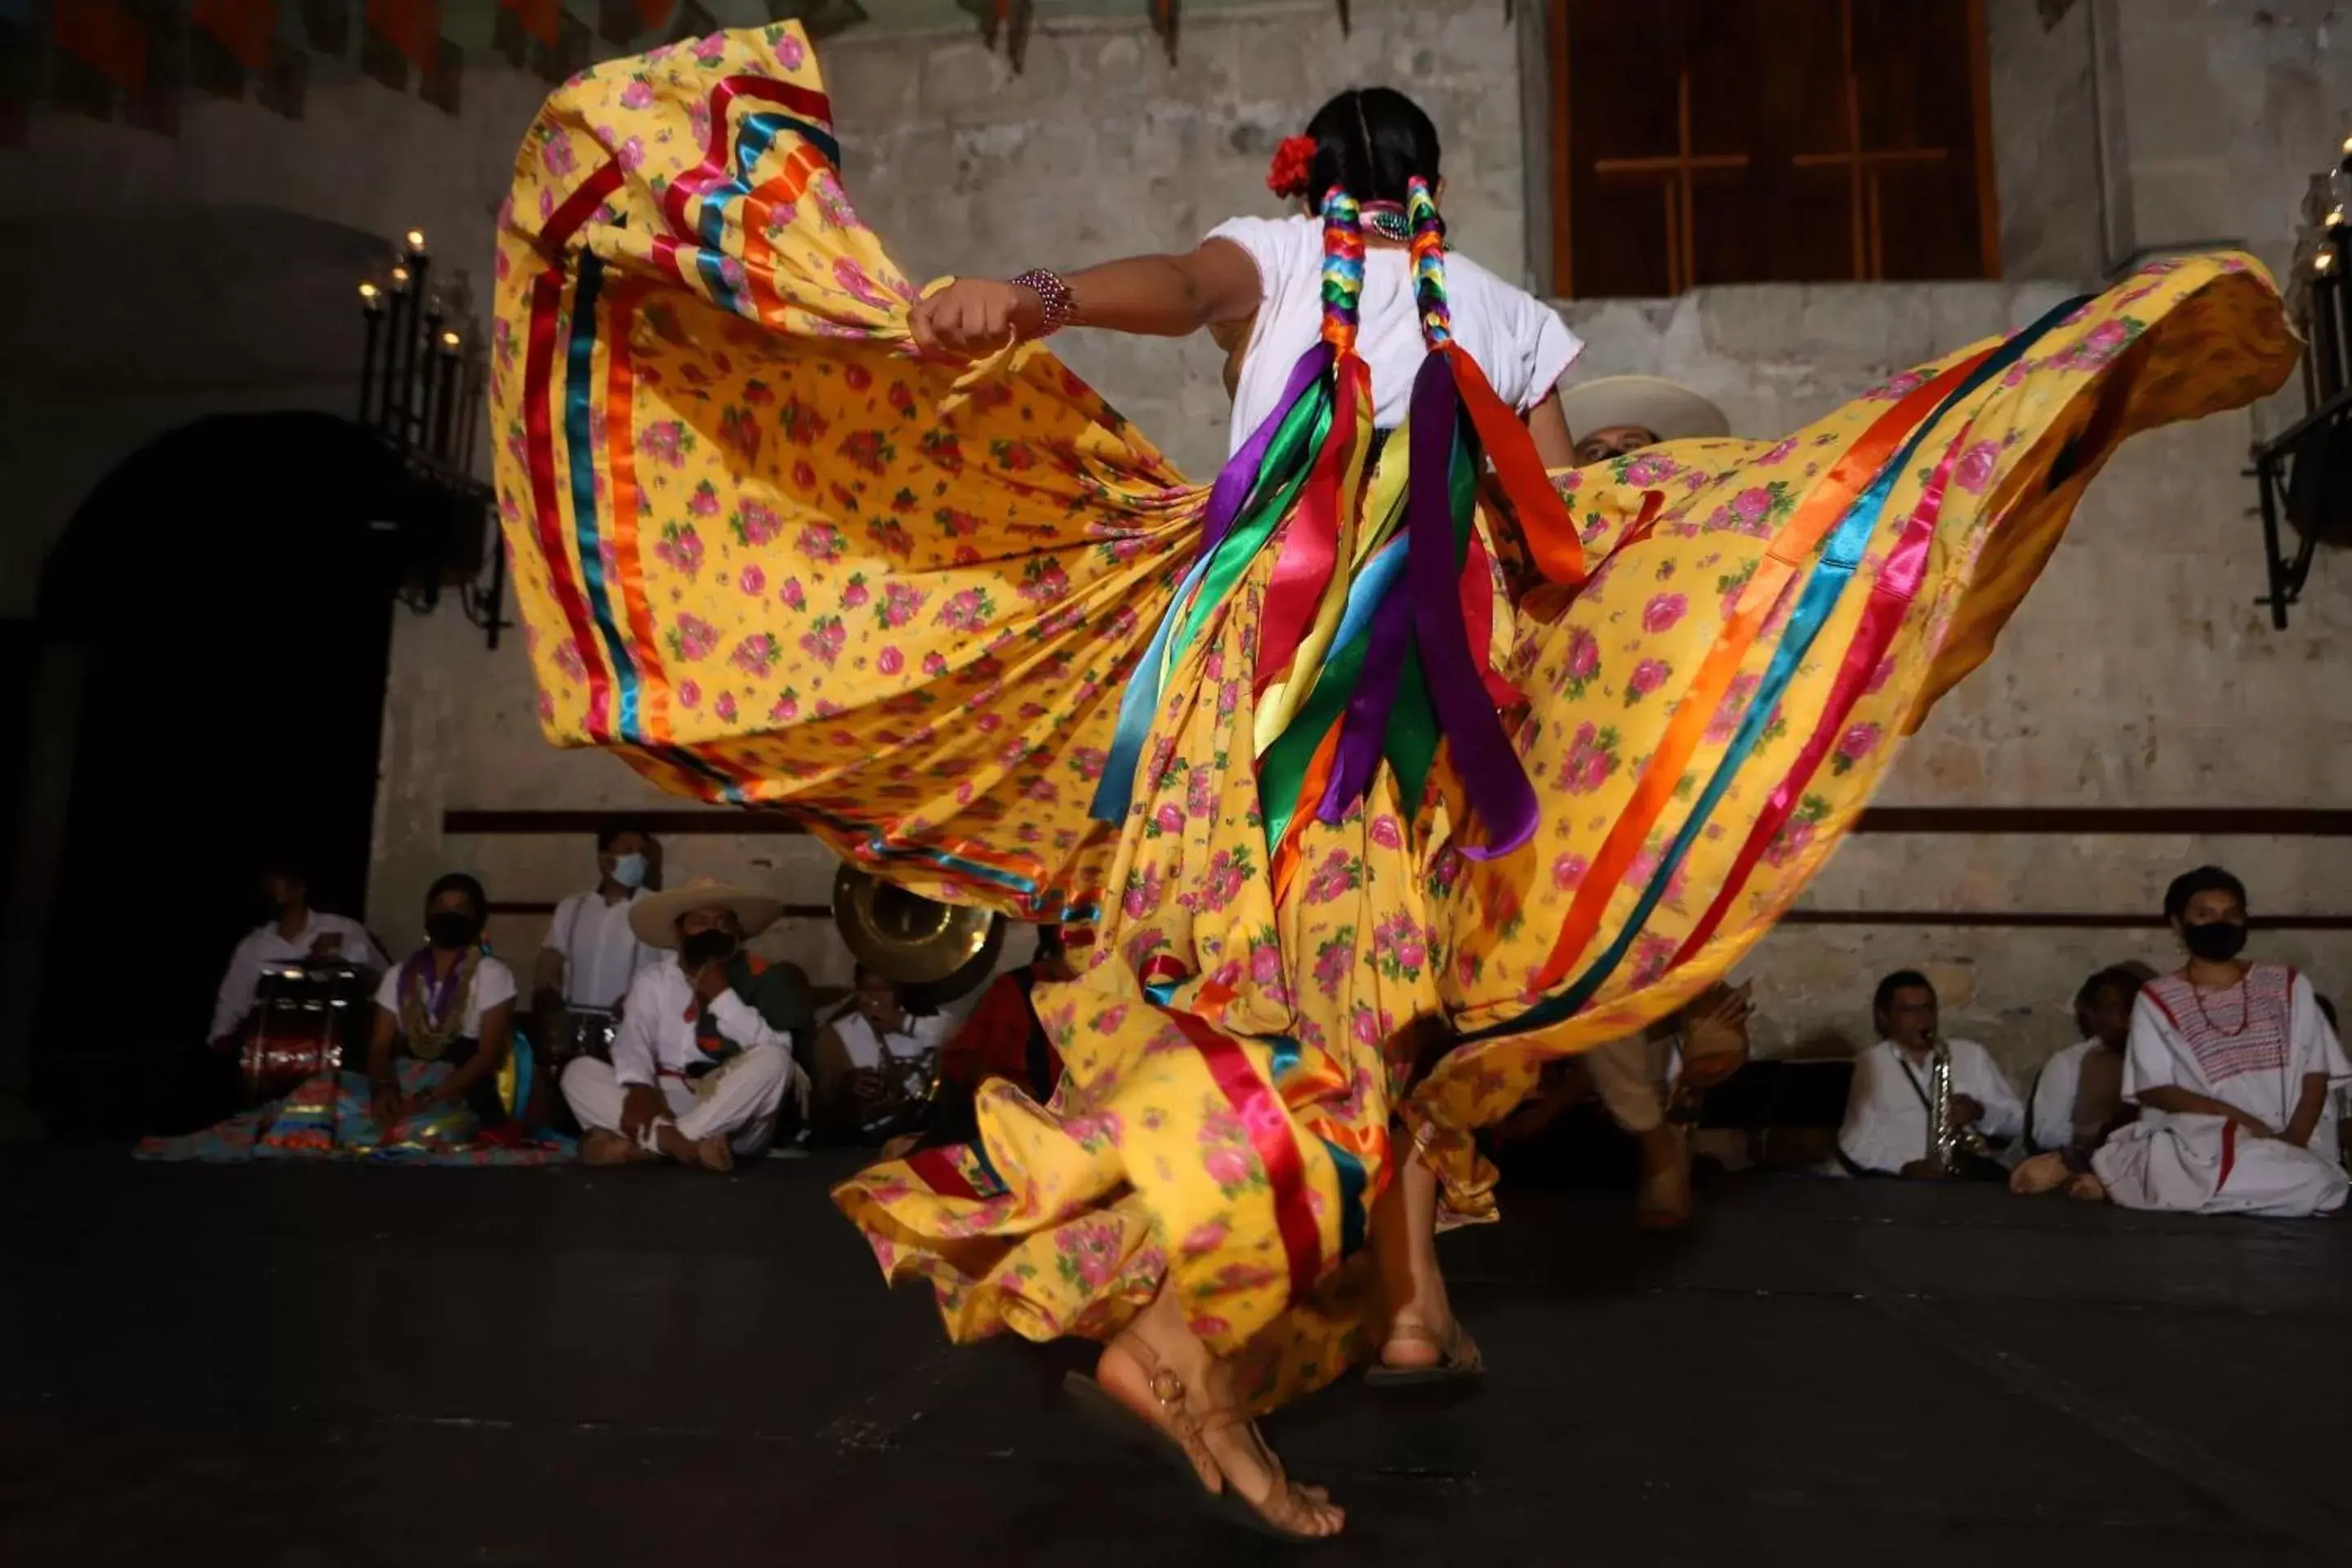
<point>711,1154</point>
<point>602,1146</point>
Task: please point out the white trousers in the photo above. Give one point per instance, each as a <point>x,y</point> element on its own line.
<point>737,1099</point>
<point>1630,1076</point>
<point>2195,1164</point>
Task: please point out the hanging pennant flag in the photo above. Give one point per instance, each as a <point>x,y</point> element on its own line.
<point>106,37</point>
<point>410,27</point>
<point>1164,21</point>
<point>245,28</point>
<point>542,19</point>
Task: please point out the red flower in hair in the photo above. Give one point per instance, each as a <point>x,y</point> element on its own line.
<point>1287,176</point>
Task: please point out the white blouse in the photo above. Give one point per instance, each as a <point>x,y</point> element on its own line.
<point>1520,342</point>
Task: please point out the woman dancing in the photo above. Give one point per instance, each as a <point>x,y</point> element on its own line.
<point>1385,769</point>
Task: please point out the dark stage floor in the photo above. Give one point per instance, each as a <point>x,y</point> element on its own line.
<point>329,1366</point>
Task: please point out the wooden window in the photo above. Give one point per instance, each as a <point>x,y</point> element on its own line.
<point>1698,141</point>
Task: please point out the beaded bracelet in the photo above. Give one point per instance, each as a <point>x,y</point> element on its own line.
<point>1060,309</point>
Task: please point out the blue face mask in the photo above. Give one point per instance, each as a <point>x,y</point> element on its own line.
<point>629,870</point>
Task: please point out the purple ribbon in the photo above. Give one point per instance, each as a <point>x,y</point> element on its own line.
<point>1491,774</point>
<point>1240,473</point>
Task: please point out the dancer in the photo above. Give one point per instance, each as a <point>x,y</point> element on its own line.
<point>1349,754</point>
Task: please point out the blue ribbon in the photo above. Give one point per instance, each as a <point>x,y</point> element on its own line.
<point>1817,600</point>
<point>579,384</point>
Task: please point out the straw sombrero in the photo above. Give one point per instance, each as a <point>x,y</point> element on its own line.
<point>1666,409</point>
<point>655,916</point>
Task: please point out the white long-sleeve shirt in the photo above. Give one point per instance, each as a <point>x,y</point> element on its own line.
<point>1887,1110</point>
<point>2250,1045</point>
<point>265,946</point>
<point>656,1033</point>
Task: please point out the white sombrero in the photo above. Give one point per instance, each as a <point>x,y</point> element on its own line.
<point>655,916</point>
<point>1667,409</point>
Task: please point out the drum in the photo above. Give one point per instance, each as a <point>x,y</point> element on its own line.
<point>584,1032</point>
<point>307,1019</point>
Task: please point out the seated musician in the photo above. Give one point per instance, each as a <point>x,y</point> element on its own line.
<point>2078,1099</point>
<point>591,955</point>
<point>1650,1084</point>
<point>294,933</point>
<point>1001,1038</point>
<point>698,1074</point>
<point>444,1023</point>
<point>1886,1114</point>
<point>866,1058</point>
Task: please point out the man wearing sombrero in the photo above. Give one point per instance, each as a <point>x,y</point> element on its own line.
<point>1621,414</point>
<point>697,1073</point>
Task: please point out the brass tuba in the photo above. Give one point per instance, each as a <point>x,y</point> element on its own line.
<point>934,953</point>
<point>937,950</point>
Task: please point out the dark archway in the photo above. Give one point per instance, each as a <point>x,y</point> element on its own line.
<point>221,607</point>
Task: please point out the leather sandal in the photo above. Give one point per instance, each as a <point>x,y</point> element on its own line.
<point>1177,1437</point>
<point>1457,1357</point>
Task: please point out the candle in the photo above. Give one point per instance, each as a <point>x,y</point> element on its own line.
<point>446,399</point>
<point>371,308</point>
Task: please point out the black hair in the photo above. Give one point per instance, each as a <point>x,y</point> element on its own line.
<point>1370,141</point>
<point>2204,879</point>
<point>2115,979</point>
<point>610,832</point>
<point>287,866</point>
<point>459,882</point>
<point>1050,944</point>
<point>1901,980</point>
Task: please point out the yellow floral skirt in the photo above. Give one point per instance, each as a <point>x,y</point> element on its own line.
<point>769,556</point>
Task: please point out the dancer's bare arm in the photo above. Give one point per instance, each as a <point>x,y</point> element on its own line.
<point>1149,296</point>
<point>1548,425</point>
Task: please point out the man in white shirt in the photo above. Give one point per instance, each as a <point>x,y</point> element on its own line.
<point>591,954</point>
<point>696,1074</point>
<point>1885,1128</point>
<point>295,933</point>
<point>2078,1097</point>
<point>871,1058</point>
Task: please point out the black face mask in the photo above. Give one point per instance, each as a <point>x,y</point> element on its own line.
<point>705,947</point>
<point>2216,942</point>
<point>452,928</point>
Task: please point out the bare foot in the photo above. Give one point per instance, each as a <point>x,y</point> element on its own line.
<point>602,1146</point>
<point>2039,1174</point>
<point>1197,1407</point>
<point>711,1154</point>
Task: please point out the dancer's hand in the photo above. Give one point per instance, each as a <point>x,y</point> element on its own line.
<point>974,317</point>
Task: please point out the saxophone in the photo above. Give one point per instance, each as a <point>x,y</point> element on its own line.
<point>1946,1142</point>
<point>1943,1139</point>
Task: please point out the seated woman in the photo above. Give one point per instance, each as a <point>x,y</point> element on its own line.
<point>433,1089</point>
<point>444,1024</point>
